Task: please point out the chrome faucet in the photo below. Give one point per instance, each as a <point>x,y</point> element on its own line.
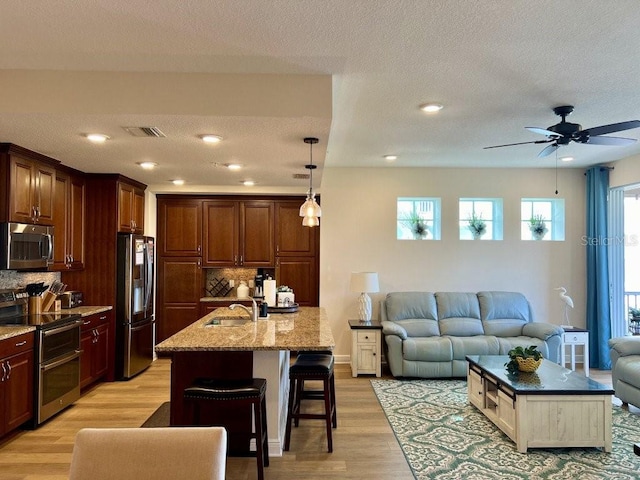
<point>253,311</point>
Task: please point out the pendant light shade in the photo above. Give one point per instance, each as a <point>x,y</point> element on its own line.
<point>310,210</point>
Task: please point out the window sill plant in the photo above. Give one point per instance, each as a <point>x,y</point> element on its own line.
<point>538,227</point>
<point>477,225</point>
<point>523,359</point>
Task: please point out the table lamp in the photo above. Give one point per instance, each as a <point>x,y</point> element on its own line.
<point>364,282</point>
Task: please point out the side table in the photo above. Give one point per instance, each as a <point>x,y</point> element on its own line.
<point>571,338</point>
<point>366,345</point>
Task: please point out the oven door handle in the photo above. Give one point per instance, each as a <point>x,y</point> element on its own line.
<point>64,328</point>
<point>57,363</point>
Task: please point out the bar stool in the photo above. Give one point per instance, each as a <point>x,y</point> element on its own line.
<point>240,392</point>
<point>312,366</point>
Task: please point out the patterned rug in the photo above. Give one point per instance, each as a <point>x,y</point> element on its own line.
<point>444,437</point>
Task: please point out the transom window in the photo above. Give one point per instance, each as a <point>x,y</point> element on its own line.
<point>480,218</point>
<point>418,218</point>
<point>542,219</point>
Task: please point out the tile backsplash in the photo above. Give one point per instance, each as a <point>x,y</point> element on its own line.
<point>10,279</point>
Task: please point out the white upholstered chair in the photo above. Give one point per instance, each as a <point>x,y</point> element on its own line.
<point>196,453</point>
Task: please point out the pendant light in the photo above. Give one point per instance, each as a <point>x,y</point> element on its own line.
<point>310,210</point>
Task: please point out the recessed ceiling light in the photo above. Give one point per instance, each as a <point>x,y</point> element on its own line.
<point>177,181</point>
<point>97,137</point>
<point>234,166</point>
<point>210,138</point>
<point>148,165</point>
<point>431,107</point>
<point>391,157</point>
<point>566,159</point>
<point>248,183</point>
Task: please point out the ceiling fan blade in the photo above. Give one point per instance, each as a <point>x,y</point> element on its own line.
<point>614,127</point>
<point>519,143</point>
<point>548,150</point>
<point>543,131</point>
<point>616,141</point>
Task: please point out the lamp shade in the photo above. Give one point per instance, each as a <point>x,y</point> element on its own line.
<point>364,282</point>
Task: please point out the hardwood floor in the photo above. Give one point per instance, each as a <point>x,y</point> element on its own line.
<point>364,444</point>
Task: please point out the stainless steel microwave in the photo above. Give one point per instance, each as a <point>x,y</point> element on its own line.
<point>25,247</point>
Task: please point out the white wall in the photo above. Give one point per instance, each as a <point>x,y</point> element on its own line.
<point>358,228</point>
<point>625,172</point>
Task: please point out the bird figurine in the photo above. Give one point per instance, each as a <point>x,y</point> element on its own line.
<point>568,302</point>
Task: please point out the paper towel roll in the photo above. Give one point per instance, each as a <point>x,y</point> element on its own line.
<point>269,287</point>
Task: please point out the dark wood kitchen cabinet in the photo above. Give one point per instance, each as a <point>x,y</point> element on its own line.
<point>238,233</point>
<point>179,227</point>
<point>28,180</point>
<point>180,287</point>
<point>130,208</point>
<point>69,215</point>
<point>98,279</point>
<point>16,385</point>
<point>292,239</point>
<point>301,274</point>
<point>94,343</point>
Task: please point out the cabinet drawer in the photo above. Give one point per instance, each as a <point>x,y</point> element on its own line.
<point>92,321</point>
<point>578,337</point>
<point>366,337</point>
<point>18,344</point>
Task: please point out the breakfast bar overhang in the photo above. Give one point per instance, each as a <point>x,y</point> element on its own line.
<point>252,350</point>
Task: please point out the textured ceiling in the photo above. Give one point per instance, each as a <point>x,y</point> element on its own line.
<point>265,74</point>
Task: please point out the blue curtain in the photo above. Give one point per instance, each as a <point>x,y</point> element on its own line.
<point>598,314</point>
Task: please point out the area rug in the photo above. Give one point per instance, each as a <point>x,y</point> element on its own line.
<point>444,437</point>
<point>159,418</point>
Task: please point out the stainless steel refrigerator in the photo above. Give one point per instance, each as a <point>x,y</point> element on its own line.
<point>134,305</point>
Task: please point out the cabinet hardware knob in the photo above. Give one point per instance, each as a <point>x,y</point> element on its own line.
<point>8,370</point>
<point>19,344</point>
<point>103,317</point>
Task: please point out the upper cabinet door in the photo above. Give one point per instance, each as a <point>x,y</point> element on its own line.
<point>221,233</point>
<point>292,239</point>
<point>256,223</point>
<point>32,191</point>
<point>130,208</point>
<point>179,228</point>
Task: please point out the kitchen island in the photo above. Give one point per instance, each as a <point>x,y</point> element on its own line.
<point>255,349</point>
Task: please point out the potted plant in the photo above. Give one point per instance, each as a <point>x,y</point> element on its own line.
<point>417,225</point>
<point>538,227</point>
<point>634,320</point>
<point>477,225</point>
<point>523,359</point>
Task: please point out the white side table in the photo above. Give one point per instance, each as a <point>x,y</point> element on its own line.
<point>366,345</point>
<point>571,338</point>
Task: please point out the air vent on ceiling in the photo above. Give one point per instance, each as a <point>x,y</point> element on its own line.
<point>145,132</point>
<point>301,176</point>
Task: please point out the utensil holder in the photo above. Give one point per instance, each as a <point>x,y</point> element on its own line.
<point>35,305</point>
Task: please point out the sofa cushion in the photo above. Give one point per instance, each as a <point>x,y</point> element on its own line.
<point>459,314</point>
<point>503,313</point>
<point>414,311</point>
<point>507,343</point>
<point>427,349</point>
<point>478,345</point>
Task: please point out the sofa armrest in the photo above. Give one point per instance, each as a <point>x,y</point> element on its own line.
<point>392,328</point>
<point>541,330</point>
<point>625,346</point>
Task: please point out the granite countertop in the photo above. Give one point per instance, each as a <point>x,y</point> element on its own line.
<point>11,331</point>
<point>85,311</point>
<point>306,329</point>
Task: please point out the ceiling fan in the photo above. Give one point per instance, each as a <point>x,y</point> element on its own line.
<point>565,132</point>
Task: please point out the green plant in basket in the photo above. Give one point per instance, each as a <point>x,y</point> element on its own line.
<point>521,359</point>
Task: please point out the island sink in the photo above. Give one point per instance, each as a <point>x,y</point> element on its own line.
<point>227,322</point>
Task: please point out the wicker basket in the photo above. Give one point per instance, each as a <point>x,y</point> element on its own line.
<point>634,328</point>
<point>528,364</point>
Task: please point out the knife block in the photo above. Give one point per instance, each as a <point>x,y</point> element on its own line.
<point>48,301</point>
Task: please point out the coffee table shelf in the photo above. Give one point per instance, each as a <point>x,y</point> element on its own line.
<point>551,408</point>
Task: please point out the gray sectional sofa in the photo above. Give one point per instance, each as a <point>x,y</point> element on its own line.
<point>429,334</point>
<point>625,368</point>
